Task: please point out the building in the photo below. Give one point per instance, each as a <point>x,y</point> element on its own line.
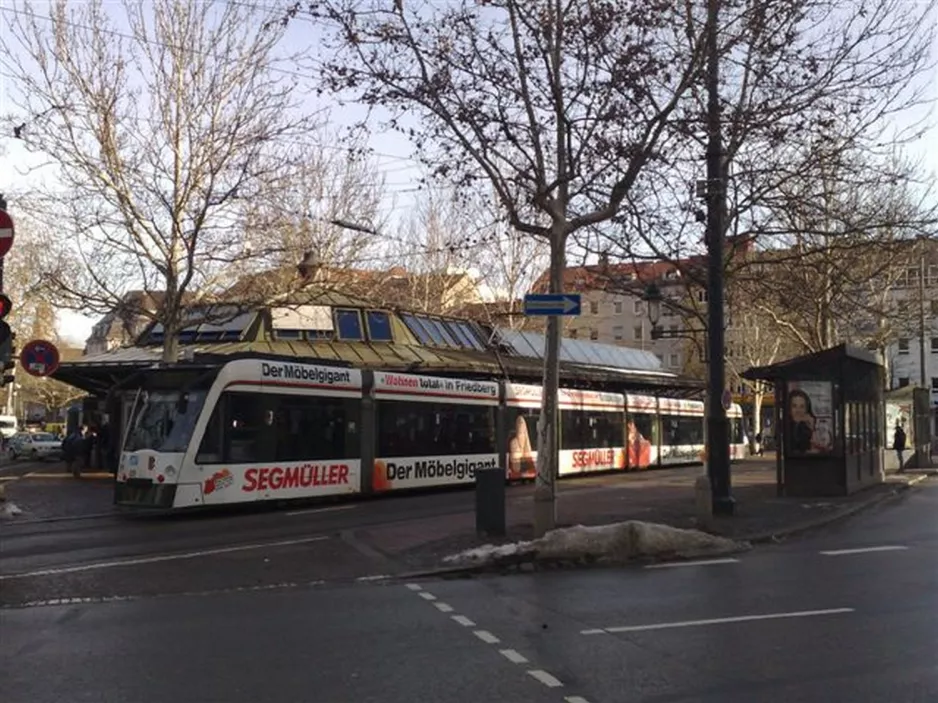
<point>121,327</point>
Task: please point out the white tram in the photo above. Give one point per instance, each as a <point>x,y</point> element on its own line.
<point>257,429</point>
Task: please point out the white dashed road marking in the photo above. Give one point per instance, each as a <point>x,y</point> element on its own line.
<point>716,621</point>
<point>486,636</point>
<point>545,678</point>
<point>863,550</point>
<point>512,655</point>
<point>702,562</point>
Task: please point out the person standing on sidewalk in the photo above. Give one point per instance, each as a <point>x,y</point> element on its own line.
<point>898,443</point>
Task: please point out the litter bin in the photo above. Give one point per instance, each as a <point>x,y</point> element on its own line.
<point>490,502</point>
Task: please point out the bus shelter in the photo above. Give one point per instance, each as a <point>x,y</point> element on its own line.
<point>830,421</point>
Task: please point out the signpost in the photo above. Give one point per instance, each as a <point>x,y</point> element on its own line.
<point>552,304</point>
<point>40,358</point>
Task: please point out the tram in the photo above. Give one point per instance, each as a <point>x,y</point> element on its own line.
<point>257,429</point>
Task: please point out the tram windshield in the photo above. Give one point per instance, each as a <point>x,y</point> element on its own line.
<point>163,421</point>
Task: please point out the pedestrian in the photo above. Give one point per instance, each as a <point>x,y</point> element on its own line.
<point>898,442</point>
<point>71,452</point>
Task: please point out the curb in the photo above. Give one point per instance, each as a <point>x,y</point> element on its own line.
<point>824,520</point>
<point>94,476</point>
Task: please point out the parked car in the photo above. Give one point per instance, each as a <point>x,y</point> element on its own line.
<point>35,445</point>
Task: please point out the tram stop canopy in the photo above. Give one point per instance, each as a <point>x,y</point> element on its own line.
<point>831,435</point>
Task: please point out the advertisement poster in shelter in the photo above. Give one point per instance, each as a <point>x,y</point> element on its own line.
<point>810,418</point>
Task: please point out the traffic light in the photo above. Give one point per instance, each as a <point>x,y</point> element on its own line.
<point>7,353</point>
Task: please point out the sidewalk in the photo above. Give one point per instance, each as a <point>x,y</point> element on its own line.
<point>665,497</point>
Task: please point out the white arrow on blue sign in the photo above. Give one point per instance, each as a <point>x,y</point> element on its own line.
<point>552,304</point>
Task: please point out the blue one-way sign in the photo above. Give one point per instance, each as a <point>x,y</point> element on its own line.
<point>552,304</point>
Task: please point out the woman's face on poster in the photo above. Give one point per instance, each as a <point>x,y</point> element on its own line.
<point>799,407</point>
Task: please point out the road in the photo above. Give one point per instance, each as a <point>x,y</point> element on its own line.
<point>849,613</point>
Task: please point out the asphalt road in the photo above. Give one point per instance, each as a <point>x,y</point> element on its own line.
<point>847,614</point>
<point>83,556</point>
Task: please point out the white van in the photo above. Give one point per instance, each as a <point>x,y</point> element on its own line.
<point>8,426</point>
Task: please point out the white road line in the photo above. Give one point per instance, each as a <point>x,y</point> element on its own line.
<point>313,511</point>
<point>426,596</point>
<point>415,586</point>
<point>575,699</point>
<point>702,562</point>
<point>545,678</point>
<point>463,620</point>
<point>376,577</point>
<point>718,621</point>
<point>863,550</point>
<point>486,636</point>
<point>513,656</point>
<point>161,558</point>
<point>444,607</point>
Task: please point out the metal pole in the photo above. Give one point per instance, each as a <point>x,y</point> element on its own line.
<point>3,206</point>
<point>923,376</point>
<point>718,450</point>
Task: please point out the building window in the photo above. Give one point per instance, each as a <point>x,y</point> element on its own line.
<point>594,334</point>
<point>660,358</point>
<point>349,324</point>
<point>379,326</point>
<point>672,328</point>
<point>903,346</point>
<point>932,276</point>
<point>701,296</point>
<point>638,333</point>
<point>934,384</point>
<point>618,333</point>
<point>594,307</point>
<point>934,345</point>
<point>617,307</point>
<point>903,381</point>
<point>934,307</point>
<point>637,307</point>
<point>674,360</point>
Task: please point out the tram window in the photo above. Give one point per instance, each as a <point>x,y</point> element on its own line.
<point>250,428</point>
<point>681,430</point>
<point>407,429</point>
<point>349,325</point>
<point>590,430</point>
<point>379,326</point>
<point>310,427</point>
<point>736,430</point>
<point>646,426</point>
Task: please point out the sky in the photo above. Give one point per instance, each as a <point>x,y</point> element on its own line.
<point>392,151</point>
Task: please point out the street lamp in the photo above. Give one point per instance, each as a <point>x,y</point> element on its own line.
<point>653,297</point>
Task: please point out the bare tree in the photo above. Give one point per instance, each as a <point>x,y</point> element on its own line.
<point>439,239</point>
<point>164,136</point>
<point>802,82</point>
<point>556,106</point>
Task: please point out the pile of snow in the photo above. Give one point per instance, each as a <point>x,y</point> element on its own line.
<point>8,509</point>
<point>618,542</point>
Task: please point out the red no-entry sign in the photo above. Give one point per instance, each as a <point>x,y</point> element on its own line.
<point>6,232</point>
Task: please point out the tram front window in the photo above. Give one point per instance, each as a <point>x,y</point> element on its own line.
<point>164,421</point>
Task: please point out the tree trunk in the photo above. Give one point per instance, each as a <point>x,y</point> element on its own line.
<point>548,444</point>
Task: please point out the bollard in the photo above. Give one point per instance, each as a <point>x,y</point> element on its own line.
<point>703,501</point>
<point>490,502</point>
